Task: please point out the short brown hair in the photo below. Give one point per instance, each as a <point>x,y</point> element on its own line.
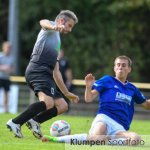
<point>126,58</point>
<point>69,14</point>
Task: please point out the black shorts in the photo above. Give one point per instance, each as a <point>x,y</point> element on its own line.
<point>5,83</point>
<point>43,82</point>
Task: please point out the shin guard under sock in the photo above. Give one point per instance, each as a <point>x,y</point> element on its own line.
<point>30,112</point>
<point>46,115</point>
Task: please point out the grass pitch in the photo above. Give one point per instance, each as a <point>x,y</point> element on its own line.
<point>78,125</point>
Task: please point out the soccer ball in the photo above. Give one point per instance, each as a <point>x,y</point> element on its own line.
<point>60,128</point>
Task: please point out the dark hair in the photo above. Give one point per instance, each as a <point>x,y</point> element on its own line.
<point>67,13</point>
<point>126,58</point>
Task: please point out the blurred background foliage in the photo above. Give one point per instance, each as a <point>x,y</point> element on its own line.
<point>106,29</point>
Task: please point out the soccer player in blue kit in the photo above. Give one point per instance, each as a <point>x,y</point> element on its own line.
<point>43,76</point>
<point>117,97</point>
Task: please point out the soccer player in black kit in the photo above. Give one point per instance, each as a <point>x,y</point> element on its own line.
<point>43,76</point>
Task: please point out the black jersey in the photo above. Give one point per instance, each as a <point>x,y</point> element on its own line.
<point>45,51</point>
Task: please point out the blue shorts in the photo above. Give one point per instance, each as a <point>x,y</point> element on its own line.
<point>113,127</point>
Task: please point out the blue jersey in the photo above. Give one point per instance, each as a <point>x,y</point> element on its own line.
<point>117,100</point>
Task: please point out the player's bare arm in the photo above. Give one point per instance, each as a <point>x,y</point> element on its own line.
<point>90,94</point>
<point>146,104</point>
<point>60,83</point>
<point>45,24</point>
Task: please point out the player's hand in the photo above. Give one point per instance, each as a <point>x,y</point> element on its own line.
<point>60,28</point>
<point>89,80</point>
<point>72,97</point>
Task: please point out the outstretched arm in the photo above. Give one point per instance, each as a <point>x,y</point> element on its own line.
<point>60,83</point>
<point>46,24</point>
<point>90,94</point>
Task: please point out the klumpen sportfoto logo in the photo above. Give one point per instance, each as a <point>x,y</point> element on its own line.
<point>113,142</point>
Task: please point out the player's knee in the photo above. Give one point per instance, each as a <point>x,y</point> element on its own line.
<point>66,107</point>
<point>49,104</point>
<point>62,108</point>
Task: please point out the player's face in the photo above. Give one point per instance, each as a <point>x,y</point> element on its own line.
<point>69,24</point>
<point>122,69</point>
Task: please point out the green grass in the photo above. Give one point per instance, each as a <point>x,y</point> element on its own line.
<point>78,125</point>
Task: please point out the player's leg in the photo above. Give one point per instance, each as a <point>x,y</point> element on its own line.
<point>15,124</point>
<point>6,85</point>
<point>34,125</point>
<point>132,138</point>
<point>6,101</point>
<point>97,134</point>
<point>98,129</point>
<point>117,134</point>
<point>60,106</point>
<point>45,102</point>
<point>43,87</point>
<point>66,138</point>
<point>51,90</point>
<point>113,128</point>
<point>66,99</point>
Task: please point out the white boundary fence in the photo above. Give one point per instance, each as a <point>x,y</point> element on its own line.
<point>21,95</point>
<point>21,79</point>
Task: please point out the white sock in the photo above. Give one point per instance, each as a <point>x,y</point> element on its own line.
<point>68,138</point>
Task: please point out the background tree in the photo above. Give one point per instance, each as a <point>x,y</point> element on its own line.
<point>106,29</point>
<point>3,20</point>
